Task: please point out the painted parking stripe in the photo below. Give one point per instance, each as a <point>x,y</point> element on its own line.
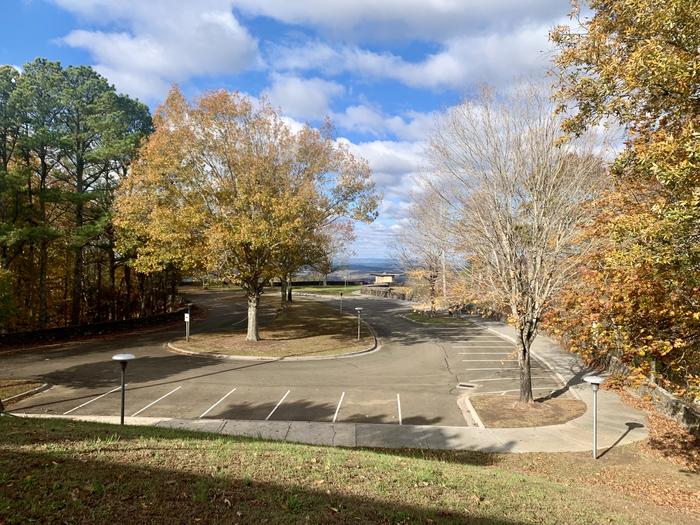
<point>489,360</point>
<point>484,353</point>
<point>93,399</point>
<point>398,403</point>
<point>503,379</point>
<point>337,409</point>
<point>149,405</point>
<point>485,347</point>
<point>277,405</point>
<point>476,369</point>
<point>504,392</point>
<point>215,404</point>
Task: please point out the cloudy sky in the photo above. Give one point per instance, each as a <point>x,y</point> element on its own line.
<point>380,69</point>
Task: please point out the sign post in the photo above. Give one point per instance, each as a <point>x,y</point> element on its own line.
<point>359,313</point>
<point>341,304</point>
<point>187,322</point>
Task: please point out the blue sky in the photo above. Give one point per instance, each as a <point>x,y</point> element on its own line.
<point>381,69</point>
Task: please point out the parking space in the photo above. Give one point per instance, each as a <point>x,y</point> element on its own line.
<point>416,378</point>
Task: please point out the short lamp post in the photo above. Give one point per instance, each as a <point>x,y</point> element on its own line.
<point>341,304</point>
<point>187,322</point>
<point>359,314</point>
<point>123,359</point>
<point>595,382</point>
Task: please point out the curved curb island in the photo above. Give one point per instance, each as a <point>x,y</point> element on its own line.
<point>376,346</point>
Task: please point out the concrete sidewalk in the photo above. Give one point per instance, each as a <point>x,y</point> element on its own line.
<point>617,425</point>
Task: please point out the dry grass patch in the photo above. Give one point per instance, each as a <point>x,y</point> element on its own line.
<point>498,411</point>
<point>304,329</point>
<point>13,387</point>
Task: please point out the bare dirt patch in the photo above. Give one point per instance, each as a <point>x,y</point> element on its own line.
<point>303,329</point>
<point>498,411</point>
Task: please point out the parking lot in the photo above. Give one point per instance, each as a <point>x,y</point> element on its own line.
<point>416,377</point>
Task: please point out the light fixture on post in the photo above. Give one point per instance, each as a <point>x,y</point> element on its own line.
<point>595,382</point>
<point>123,359</point>
<point>359,314</point>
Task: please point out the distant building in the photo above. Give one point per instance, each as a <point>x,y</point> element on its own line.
<point>385,279</point>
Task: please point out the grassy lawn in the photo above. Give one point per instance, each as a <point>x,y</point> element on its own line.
<point>440,318</point>
<point>328,290</point>
<point>304,329</point>
<point>12,387</point>
<point>497,411</point>
<point>54,471</point>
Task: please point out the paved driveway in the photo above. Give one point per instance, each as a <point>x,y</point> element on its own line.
<point>413,379</point>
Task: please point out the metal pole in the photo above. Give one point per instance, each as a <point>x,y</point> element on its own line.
<point>595,422</point>
<point>187,331</point>
<point>358,325</point>
<point>123,363</point>
<point>341,304</point>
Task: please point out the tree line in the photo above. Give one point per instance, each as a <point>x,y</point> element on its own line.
<point>102,208</point>
<point>66,140</point>
<point>541,226</point>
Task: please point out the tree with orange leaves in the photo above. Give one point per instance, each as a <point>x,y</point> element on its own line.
<point>224,186</point>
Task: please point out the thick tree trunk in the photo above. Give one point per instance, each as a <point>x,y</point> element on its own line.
<point>283,293</point>
<point>253,302</point>
<point>289,289</point>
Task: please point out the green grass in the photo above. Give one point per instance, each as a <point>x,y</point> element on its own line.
<point>55,471</point>
<point>440,318</point>
<point>328,290</point>
<point>305,328</point>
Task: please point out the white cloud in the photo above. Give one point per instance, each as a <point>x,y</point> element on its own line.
<point>303,97</point>
<point>162,41</point>
<point>401,19</point>
<point>413,126</point>
<point>493,57</point>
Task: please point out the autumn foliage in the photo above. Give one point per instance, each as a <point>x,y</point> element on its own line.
<point>638,296</point>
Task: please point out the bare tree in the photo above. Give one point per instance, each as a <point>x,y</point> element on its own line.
<point>424,241</point>
<point>521,193</point>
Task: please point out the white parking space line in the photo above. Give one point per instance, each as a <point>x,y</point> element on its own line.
<point>503,379</point>
<point>215,404</point>
<point>489,360</point>
<point>277,405</point>
<point>93,399</point>
<point>337,409</point>
<point>483,347</point>
<point>398,403</point>
<point>475,369</point>
<point>504,392</point>
<point>484,353</point>
<point>154,402</point>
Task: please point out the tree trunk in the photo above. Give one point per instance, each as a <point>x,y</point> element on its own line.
<point>127,300</point>
<point>325,279</point>
<point>283,293</point>
<point>526,337</point>
<point>43,261</point>
<point>253,301</point>
<point>289,289</point>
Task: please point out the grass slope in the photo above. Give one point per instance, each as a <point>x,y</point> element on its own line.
<point>54,471</point>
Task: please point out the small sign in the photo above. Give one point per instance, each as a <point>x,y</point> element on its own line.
<point>187,318</point>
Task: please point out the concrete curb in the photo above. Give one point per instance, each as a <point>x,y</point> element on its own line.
<point>23,395</point>
<point>568,437</point>
<point>376,346</point>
